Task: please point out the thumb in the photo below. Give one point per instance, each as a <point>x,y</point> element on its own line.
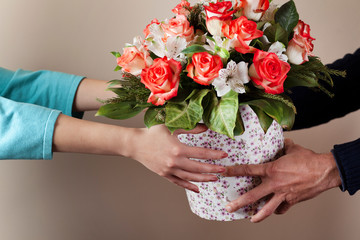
<point>200,128</point>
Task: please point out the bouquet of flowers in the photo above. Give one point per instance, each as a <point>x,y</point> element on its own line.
<point>212,58</point>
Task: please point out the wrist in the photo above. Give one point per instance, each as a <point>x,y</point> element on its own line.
<point>332,170</point>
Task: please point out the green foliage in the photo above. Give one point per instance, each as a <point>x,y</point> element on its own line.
<point>264,119</point>
<point>311,74</point>
<point>221,115</point>
<point>186,114</point>
<point>119,110</point>
<point>154,116</point>
<point>276,33</point>
<point>287,16</point>
<point>277,110</point>
<point>189,51</point>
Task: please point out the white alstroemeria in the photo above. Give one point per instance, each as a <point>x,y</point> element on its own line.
<point>217,41</point>
<point>264,38</point>
<point>218,45</point>
<point>233,77</point>
<point>278,48</point>
<point>154,40</point>
<point>173,48</point>
<point>206,2</point>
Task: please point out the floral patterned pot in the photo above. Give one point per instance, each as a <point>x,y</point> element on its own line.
<point>252,147</point>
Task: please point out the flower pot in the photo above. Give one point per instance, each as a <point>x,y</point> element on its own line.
<point>252,147</point>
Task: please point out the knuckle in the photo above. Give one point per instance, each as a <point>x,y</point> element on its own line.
<point>171,163</point>
<point>176,151</point>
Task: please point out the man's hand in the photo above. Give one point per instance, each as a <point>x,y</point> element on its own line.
<point>299,175</point>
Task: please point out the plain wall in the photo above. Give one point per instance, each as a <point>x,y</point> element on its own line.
<point>86,197</point>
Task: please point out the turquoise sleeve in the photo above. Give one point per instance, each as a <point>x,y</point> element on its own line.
<point>26,130</point>
<point>49,89</point>
<point>30,103</point>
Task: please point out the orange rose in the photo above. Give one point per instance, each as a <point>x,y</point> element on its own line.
<point>134,61</point>
<point>162,79</point>
<point>180,27</point>
<point>204,68</point>
<point>268,72</point>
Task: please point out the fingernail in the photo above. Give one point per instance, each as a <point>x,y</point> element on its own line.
<point>228,208</point>
<point>214,179</point>
<point>222,170</point>
<point>224,155</point>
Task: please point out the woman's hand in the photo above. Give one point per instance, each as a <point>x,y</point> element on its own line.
<point>299,175</point>
<point>165,155</point>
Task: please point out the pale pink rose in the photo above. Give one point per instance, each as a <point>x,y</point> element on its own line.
<point>254,9</point>
<point>300,46</point>
<point>134,61</point>
<point>182,8</point>
<point>180,27</point>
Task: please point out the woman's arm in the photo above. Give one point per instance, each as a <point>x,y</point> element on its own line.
<point>155,148</point>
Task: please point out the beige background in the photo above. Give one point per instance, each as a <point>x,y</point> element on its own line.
<point>84,197</point>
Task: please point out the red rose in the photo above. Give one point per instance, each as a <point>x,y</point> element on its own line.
<point>244,30</point>
<point>268,72</point>
<point>218,14</point>
<point>204,67</point>
<point>162,78</point>
<point>300,46</point>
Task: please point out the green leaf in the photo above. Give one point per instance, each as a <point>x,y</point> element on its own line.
<point>287,16</point>
<point>194,49</point>
<point>116,54</point>
<point>120,110</point>
<point>264,119</point>
<point>154,116</point>
<point>277,110</point>
<point>185,115</point>
<point>239,125</point>
<point>117,68</point>
<point>276,33</point>
<point>119,91</point>
<point>220,115</point>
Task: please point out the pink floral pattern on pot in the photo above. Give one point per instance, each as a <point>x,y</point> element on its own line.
<point>252,147</point>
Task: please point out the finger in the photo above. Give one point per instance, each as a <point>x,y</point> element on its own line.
<point>195,177</point>
<point>248,198</point>
<point>200,128</point>
<point>198,167</point>
<point>246,170</point>
<point>204,153</point>
<point>183,183</point>
<point>283,208</point>
<point>268,209</point>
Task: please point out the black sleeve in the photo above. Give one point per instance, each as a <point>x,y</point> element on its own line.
<point>315,107</point>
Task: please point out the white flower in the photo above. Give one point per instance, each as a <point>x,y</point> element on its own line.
<point>278,48</point>
<point>234,76</point>
<point>173,48</point>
